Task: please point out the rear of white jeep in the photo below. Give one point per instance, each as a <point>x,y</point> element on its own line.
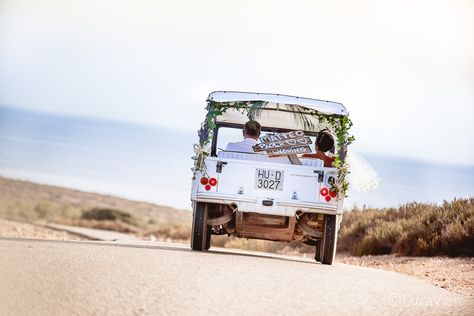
<point>251,195</point>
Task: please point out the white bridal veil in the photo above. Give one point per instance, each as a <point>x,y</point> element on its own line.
<point>362,177</point>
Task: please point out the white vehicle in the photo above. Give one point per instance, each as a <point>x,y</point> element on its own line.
<point>251,195</point>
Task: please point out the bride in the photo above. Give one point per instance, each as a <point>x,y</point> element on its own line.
<point>362,177</point>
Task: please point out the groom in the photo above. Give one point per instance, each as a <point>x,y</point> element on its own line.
<point>251,133</point>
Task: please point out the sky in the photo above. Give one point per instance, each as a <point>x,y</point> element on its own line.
<point>404,69</point>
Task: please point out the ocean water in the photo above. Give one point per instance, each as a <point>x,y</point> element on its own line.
<point>404,180</point>
<point>153,164</point>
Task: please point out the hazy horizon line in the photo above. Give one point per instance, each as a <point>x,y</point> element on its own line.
<point>66,115</point>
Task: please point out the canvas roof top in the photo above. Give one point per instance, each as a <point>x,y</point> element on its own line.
<point>278,112</point>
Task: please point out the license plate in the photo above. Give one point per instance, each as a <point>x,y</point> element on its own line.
<point>269,179</point>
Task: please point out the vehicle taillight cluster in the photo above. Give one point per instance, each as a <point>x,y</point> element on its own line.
<point>209,183</point>
<point>327,194</point>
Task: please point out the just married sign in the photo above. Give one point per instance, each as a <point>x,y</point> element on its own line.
<point>284,144</point>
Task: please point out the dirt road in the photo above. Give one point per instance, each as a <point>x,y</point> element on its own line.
<point>85,278</point>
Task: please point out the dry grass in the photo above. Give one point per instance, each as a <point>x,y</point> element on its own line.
<point>414,229</point>
<point>30,202</point>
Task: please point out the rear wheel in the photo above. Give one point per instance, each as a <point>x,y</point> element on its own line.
<point>200,238</point>
<point>327,247</point>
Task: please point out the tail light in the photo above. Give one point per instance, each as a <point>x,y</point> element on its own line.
<point>208,183</point>
<point>324,191</point>
<point>327,194</point>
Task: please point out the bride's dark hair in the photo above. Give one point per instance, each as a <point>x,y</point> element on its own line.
<point>324,141</point>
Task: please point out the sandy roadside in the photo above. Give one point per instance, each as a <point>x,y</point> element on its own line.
<point>454,274</point>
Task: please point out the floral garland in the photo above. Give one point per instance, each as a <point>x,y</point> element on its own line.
<point>339,124</point>
<point>205,134</point>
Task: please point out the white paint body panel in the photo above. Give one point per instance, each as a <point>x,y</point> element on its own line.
<point>238,174</point>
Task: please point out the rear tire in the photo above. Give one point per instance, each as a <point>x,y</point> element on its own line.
<point>328,249</point>
<point>200,231</point>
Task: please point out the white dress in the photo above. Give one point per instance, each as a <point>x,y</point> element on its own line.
<point>362,177</point>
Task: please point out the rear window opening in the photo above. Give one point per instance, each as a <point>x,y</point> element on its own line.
<point>224,135</point>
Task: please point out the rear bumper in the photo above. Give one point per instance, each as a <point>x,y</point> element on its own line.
<point>281,208</point>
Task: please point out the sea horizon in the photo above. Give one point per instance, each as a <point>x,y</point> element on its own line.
<point>152,164</point>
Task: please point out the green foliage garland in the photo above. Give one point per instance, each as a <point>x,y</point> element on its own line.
<point>339,124</point>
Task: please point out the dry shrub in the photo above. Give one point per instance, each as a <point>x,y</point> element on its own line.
<point>248,244</point>
<point>414,229</point>
<point>30,202</point>
<point>108,214</point>
<point>51,211</point>
<point>178,232</point>
<point>293,247</point>
<point>117,226</point>
<point>380,239</point>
